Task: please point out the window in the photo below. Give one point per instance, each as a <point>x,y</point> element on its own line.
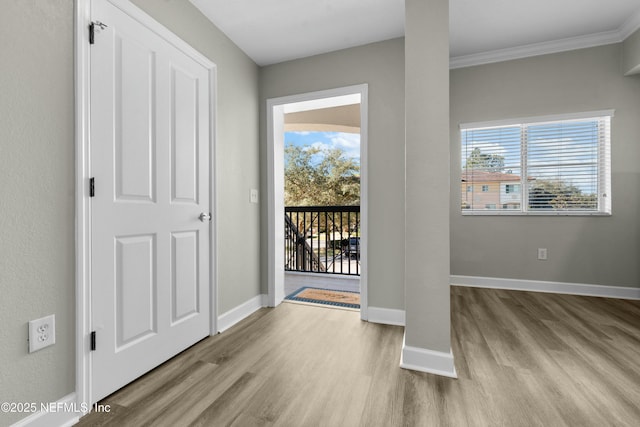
<point>511,206</point>
<point>512,188</point>
<point>469,188</point>
<point>554,165</point>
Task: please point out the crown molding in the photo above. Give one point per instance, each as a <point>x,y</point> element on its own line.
<point>536,49</point>
<point>630,26</point>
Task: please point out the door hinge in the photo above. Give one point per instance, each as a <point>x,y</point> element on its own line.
<point>93,341</point>
<point>92,187</point>
<point>92,30</point>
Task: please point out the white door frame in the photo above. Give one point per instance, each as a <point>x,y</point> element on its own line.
<point>275,188</point>
<point>83,173</point>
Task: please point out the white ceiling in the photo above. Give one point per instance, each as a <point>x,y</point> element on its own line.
<point>481,31</point>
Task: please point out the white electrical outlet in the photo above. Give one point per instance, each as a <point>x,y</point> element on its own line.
<point>42,333</point>
<point>542,254</point>
<point>254,195</point>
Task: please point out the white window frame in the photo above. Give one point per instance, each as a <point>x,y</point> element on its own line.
<point>604,165</point>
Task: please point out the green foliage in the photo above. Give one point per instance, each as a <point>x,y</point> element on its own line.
<point>320,177</point>
<point>486,162</point>
<point>557,194</point>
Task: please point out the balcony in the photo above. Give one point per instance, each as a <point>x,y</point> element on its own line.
<point>322,240</point>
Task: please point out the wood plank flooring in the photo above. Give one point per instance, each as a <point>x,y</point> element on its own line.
<point>523,359</point>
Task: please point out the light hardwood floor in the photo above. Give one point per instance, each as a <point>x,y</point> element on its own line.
<point>523,359</point>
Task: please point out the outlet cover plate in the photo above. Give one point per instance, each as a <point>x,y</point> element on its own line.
<point>542,254</point>
<point>253,195</point>
<point>42,333</point>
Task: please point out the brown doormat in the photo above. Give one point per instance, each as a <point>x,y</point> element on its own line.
<point>326,296</point>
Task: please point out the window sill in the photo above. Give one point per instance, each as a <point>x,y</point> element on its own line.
<point>490,213</point>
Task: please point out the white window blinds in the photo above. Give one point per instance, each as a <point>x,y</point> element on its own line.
<point>548,165</point>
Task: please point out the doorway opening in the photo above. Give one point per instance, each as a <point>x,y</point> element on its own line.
<point>317,184</point>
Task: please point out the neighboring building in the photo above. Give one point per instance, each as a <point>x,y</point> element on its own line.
<point>490,190</point>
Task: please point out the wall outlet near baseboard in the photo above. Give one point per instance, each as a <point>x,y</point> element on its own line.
<point>253,195</point>
<point>42,333</point>
<point>542,254</point>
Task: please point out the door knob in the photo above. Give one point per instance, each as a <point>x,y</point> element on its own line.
<point>205,217</point>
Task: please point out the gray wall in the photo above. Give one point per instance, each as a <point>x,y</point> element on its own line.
<point>37,199</point>
<point>592,250</point>
<point>631,54</point>
<point>381,65</point>
<point>237,148</point>
<point>427,175</point>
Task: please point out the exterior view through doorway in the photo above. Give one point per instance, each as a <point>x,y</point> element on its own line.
<point>317,184</point>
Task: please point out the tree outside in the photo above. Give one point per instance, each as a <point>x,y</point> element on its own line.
<point>557,194</point>
<point>486,162</point>
<point>320,176</point>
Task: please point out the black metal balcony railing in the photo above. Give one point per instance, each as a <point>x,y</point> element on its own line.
<point>322,239</point>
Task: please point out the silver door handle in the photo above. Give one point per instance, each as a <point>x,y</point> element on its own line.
<point>205,217</point>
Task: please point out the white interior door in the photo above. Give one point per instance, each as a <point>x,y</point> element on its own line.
<point>150,159</point>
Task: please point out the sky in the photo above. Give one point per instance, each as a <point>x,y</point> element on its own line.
<point>348,142</point>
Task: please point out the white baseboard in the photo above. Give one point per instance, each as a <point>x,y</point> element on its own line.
<point>65,412</point>
<point>423,360</point>
<point>386,316</point>
<point>549,287</point>
<point>233,316</point>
